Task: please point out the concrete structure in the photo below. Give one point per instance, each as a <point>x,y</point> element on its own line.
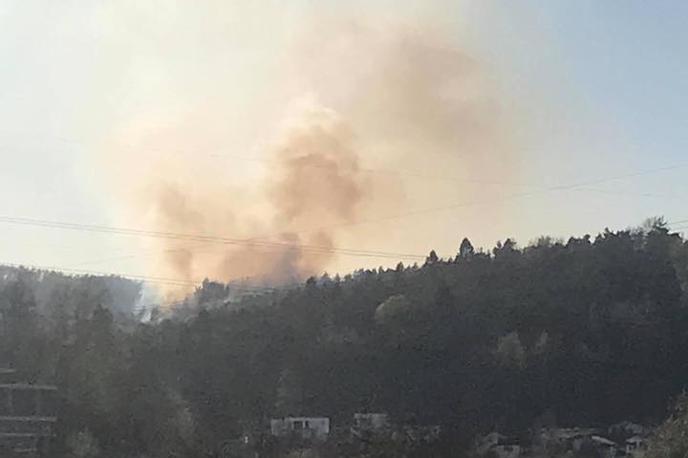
<point>27,417</point>
<point>310,428</point>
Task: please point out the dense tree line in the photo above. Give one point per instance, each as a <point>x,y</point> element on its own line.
<point>588,331</point>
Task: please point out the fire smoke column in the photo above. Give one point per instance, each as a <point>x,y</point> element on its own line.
<point>314,186</point>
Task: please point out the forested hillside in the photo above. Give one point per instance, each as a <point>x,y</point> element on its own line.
<point>40,311</point>
<point>588,331</point>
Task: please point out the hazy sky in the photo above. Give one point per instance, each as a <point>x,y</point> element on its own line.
<point>590,90</point>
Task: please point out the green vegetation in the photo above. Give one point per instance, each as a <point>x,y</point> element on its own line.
<point>584,332</point>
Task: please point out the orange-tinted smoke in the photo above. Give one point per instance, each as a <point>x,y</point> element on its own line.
<point>397,99</point>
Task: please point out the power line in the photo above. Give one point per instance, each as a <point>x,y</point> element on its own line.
<point>579,185</point>
<point>679,228</point>
<point>172,281</point>
<point>145,278</point>
<point>678,224</point>
<point>260,242</point>
<point>256,243</point>
<point>420,257</point>
<point>506,198</point>
<point>149,279</point>
<point>406,173</point>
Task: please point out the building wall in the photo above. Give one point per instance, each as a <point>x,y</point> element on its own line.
<point>27,416</point>
<point>305,427</point>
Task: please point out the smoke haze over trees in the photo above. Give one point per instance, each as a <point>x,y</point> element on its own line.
<point>588,331</point>
<point>360,109</point>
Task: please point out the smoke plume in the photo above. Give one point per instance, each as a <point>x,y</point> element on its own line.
<point>314,180</point>
<point>360,125</point>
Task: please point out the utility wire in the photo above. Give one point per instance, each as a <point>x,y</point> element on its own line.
<point>261,242</point>
<point>202,238</point>
<point>151,279</point>
<point>572,186</point>
<point>173,281</point>
<point>146,278</point>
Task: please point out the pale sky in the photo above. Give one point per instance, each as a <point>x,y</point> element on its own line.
<point>592,89</point>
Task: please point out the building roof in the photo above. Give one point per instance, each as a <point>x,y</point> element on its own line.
<point>603,441</point>
<point>635,439</point>
<point>569,433</point>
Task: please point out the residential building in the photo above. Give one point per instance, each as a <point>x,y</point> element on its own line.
<point>27,417</point>
<point>311,428</point>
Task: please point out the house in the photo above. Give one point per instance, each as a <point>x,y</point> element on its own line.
<point>311,428</point>
<point>635,446</point>
<point>607,447</point>
<point>631,436</point>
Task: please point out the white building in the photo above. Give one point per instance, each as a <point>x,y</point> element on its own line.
<point>315,428</point>
<point>635,446</point>
<point>607,447</point>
